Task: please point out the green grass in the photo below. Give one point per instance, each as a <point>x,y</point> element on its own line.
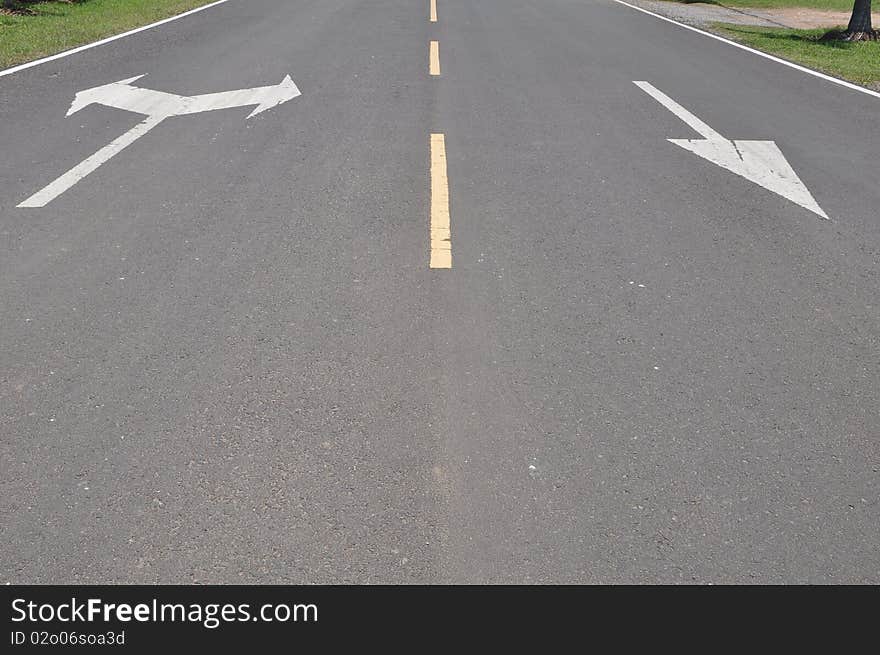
<point>58,26</point>
<point>829,5</point>
<point>857,62</point>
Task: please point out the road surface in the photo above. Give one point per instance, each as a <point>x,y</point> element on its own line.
<point>224,357</point>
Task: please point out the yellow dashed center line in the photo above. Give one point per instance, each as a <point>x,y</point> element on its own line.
<point>433,11</point>
<point>441,234</point>
<point>434,58</point>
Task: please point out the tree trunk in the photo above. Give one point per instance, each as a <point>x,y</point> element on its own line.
<point>861,17</point>
<point>860,28</point>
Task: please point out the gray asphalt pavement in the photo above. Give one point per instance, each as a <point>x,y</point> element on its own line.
<point>223,357</point>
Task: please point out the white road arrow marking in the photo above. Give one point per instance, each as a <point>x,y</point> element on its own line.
<point>156,106</point>
<point>761,162</point>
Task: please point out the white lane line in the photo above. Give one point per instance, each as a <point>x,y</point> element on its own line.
<point>46,195</point>
<point>73,51</point>
<point>696,124</point>
<point>803,69</point>
<point>433,11</point>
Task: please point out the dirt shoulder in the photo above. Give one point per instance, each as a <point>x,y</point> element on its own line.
<point>703,15</point>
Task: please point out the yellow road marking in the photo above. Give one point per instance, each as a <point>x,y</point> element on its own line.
<point>433,11</point>
<point>434,58</point>
<point>441,235</point>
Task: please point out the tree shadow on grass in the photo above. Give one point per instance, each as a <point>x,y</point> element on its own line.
<point>819,37</point>
<point>34,7</point>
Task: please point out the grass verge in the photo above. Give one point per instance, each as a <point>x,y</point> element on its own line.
<point>856,62</point>
<point>53,27</point>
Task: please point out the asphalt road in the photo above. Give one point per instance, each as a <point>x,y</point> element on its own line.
<point>224,358</point>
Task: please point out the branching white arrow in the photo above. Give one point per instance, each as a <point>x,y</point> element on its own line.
<point>761,162</point>
<point>156,106</point>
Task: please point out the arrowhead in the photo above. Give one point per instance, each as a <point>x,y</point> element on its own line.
<point>88,96</point>
<point>761,162</point>
<point>280,94</point>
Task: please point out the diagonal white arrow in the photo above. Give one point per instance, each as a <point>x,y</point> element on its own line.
<point>761,162</point>
<point>156,106</point>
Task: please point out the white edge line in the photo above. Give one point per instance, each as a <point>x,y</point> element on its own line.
<point>73,51</point>
<point>803,69</point>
